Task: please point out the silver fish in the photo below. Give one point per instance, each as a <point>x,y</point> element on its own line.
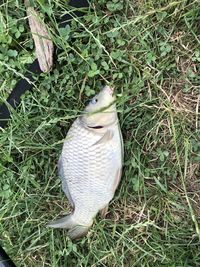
<point>90,164</point>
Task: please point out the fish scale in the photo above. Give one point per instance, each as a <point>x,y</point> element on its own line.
<point>89,185</point>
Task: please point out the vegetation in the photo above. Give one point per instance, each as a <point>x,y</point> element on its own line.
<point>150,51</point>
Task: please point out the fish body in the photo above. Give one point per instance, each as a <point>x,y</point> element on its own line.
<point>90,164</point>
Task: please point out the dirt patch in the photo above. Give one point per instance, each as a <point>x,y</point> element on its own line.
<point>183,102</point>
<point>193,187</point>
<point>129,212</point>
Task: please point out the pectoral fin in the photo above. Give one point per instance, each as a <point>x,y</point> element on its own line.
<point>105,138</point>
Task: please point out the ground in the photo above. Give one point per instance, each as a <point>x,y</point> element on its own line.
<point>150,51</point>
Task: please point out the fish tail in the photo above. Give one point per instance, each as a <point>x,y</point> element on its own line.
<point>65,222</point>
<point>76,230</point>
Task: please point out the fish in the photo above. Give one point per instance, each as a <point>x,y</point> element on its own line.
<point>90,164</point>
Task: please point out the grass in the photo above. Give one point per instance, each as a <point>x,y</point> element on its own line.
<point>150,51</point>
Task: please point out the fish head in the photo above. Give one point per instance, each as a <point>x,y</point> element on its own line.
<point>101,110</point>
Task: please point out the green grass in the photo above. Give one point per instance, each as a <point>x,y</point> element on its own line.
<point>150,51</point>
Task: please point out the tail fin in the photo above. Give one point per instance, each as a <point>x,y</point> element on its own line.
<point>76,230</point>
<point>65,222</point>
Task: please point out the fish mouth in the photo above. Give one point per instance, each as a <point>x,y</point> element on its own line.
<point>109,90</point>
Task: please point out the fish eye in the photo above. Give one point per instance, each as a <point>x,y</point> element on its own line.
<point>94,101</point>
